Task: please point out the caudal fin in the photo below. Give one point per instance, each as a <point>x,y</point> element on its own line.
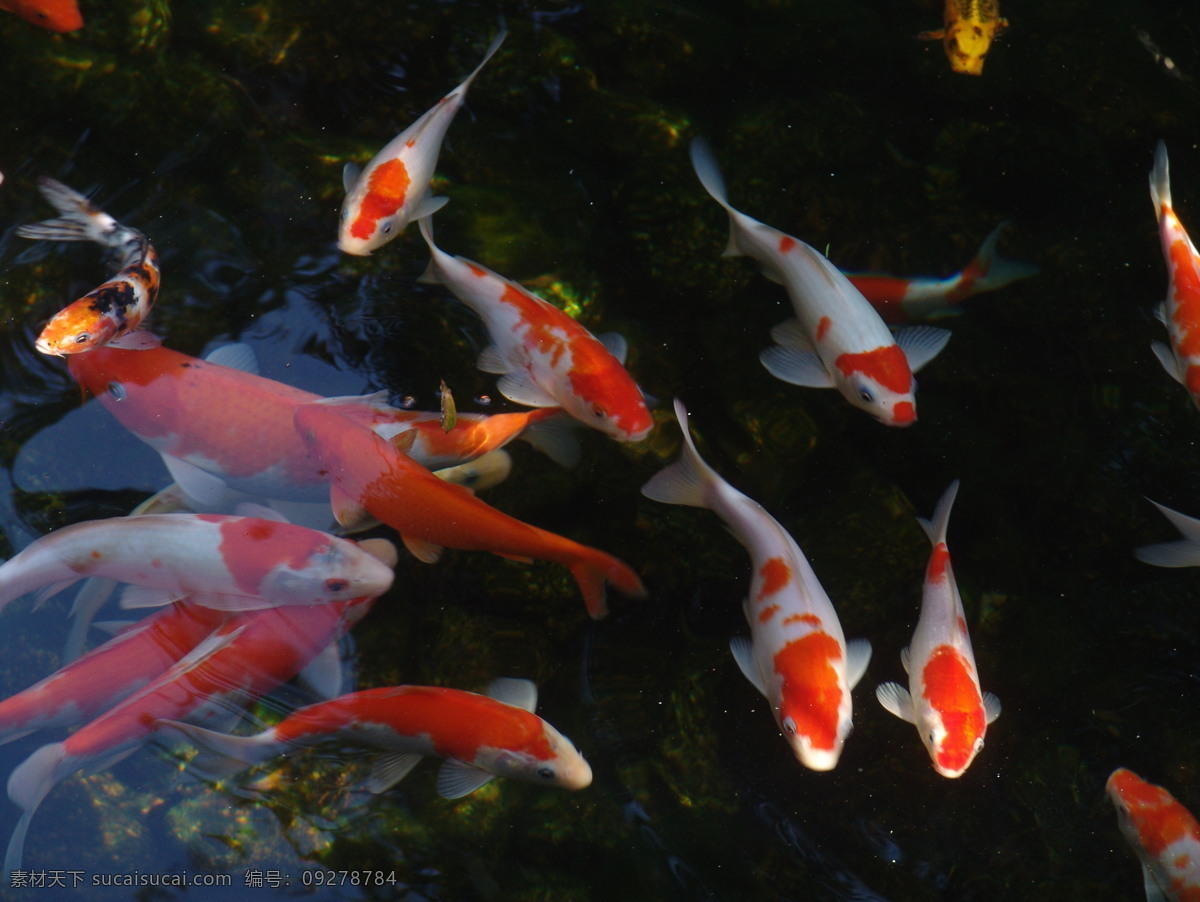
<point>988,271</point>
<point>79,219</point>
<point>687,481</point>
<point>1160,181</point>
<point>221,754</point>
<point>28,784</point>
<point>594,571</point>
<point>704,161</point>
<point>936,528</point>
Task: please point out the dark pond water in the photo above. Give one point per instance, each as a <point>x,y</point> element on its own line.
<point>221,128</point>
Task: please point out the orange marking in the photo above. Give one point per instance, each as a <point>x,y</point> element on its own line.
<point>387,188</point>
<point>938,562</point>
<point>767,613</point>
<point>823,328</point>
<point>887,365</point>
<point>811,619</point>
<point>775,574</point>
<point>476,270</point>
<point>96,555</point>
<point>904,412</point>
<point>951,690</point>
<point>811,695</point>
<point>786,243</point>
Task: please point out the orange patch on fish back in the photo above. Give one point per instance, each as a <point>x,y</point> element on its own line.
<point>767,613</point>
<point>823,328</point>
<point>387,187</point>
<point>775,574</point>
<point>811,694</point>
<point>253,548</point>
<point>939,560</point>
<point>887,365</point>
<point>950,688</point>
<point>810,619</point>
<point>786,243</point>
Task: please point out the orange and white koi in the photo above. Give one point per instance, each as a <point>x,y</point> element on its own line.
<point>945,703</point>
<point>480,736</point>
<point>970,27</point>
<point>797,655</point>
<point>370,476</point>
<point>393,190</point>
<point>837,340</point>
<point>544,357</point>
<point>104,676</point>
<point>1163,833</point>
<point>1180,312</point>
<point>246,657</point>
<point>53,15</point>
<point>899,300</point>
<point>119,305</point>
<point>225,562</point>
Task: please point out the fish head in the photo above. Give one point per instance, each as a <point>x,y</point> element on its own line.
<point>53,15</point>
<point>967,44</point>
<point>814,700</point>
<point>879,382</point>
<point>73,331</point>
<point>332,570</point>
<point>950,712</point>
<point>606,398</point>
<point>551,761</point>
<point>377,208</point>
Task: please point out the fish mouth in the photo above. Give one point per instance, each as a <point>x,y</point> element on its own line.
<point>353,247</point>
<point>49,347</point>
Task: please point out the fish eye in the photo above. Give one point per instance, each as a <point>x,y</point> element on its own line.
<point>334,586</point>
<point>546,773</point>
<point>342,216</point>
<point>387,228</point>
<point>979,745</point>
<point>83,338</point>
<point>932,736</point>
<point>599,412</point>
<point>117,390</point>
<point>789,726</point>
<point>865,395</point>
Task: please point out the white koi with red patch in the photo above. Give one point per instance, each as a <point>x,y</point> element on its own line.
<point>797,655</point>
<point>837,340</point>
<point>480,736</point>
<point>946,704</point>
<point>393,190</point>
<point>1163,833</point>
<point>545,358</point>
<point>1180,312</point>
<point>224,562</point>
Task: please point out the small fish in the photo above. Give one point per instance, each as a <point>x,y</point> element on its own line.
<point>1180,312</point>
<point>837,339</point>
<point>1164,834</point>
<point>226,562</point>
<point>945,704</point>
<point>119,305</point>
<point>53,15</point>
<point>900,300</point>
<point>246,657</point>
<point>544,358</point>
<point>481,736</point>
<point>394,188</point>
<point>448,417</point>
<point>797,655</point>
<point>371,476</point>
<point>970,28</point>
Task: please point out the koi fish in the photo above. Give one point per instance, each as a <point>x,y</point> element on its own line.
<point>371,476</point>
<point>1164,834</point>
<point>945,703</point>
<point>797,655</point>
<point>1183,552</point>
<point>224,562</point>
<point>898,300</point>
<point>119,305</point>
<point>837,339</point>
<point>1180,312</point>
<point>394,188</point>
<point>544,358</point>
<point>53,15</point>
<point>107,674</point>
<point>246,657</point>
<point>481,736</point>
<point>970,28</point>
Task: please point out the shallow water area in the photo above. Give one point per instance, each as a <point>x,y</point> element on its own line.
<point>220,129</point>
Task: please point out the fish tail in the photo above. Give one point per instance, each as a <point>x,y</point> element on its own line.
<point>432,274</point>
<point>689,480</point>
<point>704,161</point>
<point>937,527</point>
<point>221,754</point>
<point>487,55</point>
<point>1184,552</point>
<point>1160,180</point>
<point>28,784</point>
<point>79,218</point>
<point>594,571</point>
<point>991,271</point>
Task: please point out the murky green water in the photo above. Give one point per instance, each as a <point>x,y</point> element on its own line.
<point>220,129</point>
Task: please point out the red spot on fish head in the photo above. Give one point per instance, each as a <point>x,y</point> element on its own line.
<point>950,688</point>
<point>387,188</point>
<point>786,243</point>
<point>904,413</point>
<point>886,365</point>
<point>939,561</point>
<point>823,327</point>
<point>775,575</point>
<point>811,698</point>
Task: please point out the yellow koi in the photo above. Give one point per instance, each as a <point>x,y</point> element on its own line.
<point>970,28</point>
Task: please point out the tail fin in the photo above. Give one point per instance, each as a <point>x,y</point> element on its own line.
<point>80,219</point>
<point>593,571</point>
<point>687,481</point>
<point>221,754</point>
<point>988,271</point>
<point>487,55</point>
<point>936,529</point>
<point>704,161</point>
<point>28,784</point>
<point>1160,180</point>
<point>1183,552</point>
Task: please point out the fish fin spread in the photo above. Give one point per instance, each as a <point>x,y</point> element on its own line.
<point>1169,361</point>
<point>936,528</point>
<point>491,360</point>
<point>424,551</point>
<point>743,653</point>
<point>1183,552</point>
<point>905,658</point>
<point>347,510</point>
<point>16,843</point>
<point>1154,892</point>
<point>137,340</point>
<point>796,367</point>
<point>790,333</point>
<point>132,597</point>
<point>323,674</point>
<point>896,700</point>
<point>516,692</point>
<point>615,344</point>
<point>28,784</point>
<point>237,356</point>
<point>555,437</point>
<point>518,386</point>
<point>259,511</point>
<point>1160,313</point>
<point>1160,180</point>
<point>48,592</point>
<point>235,603</point>
<point>428,206</point>
<point>991,707</point>
<point>221,755</point>
<point>858,656</point>
<point>480,474</point>
<point>593,572</point>
<point>996,271</point>
<point>88,600</point>
<point>350,174</point>
<point>689,480</point>
<point>389,769</point>
<point>457,779</point>
<point>112,627</point>
<point>921,344</point>
<point>204,491</point>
